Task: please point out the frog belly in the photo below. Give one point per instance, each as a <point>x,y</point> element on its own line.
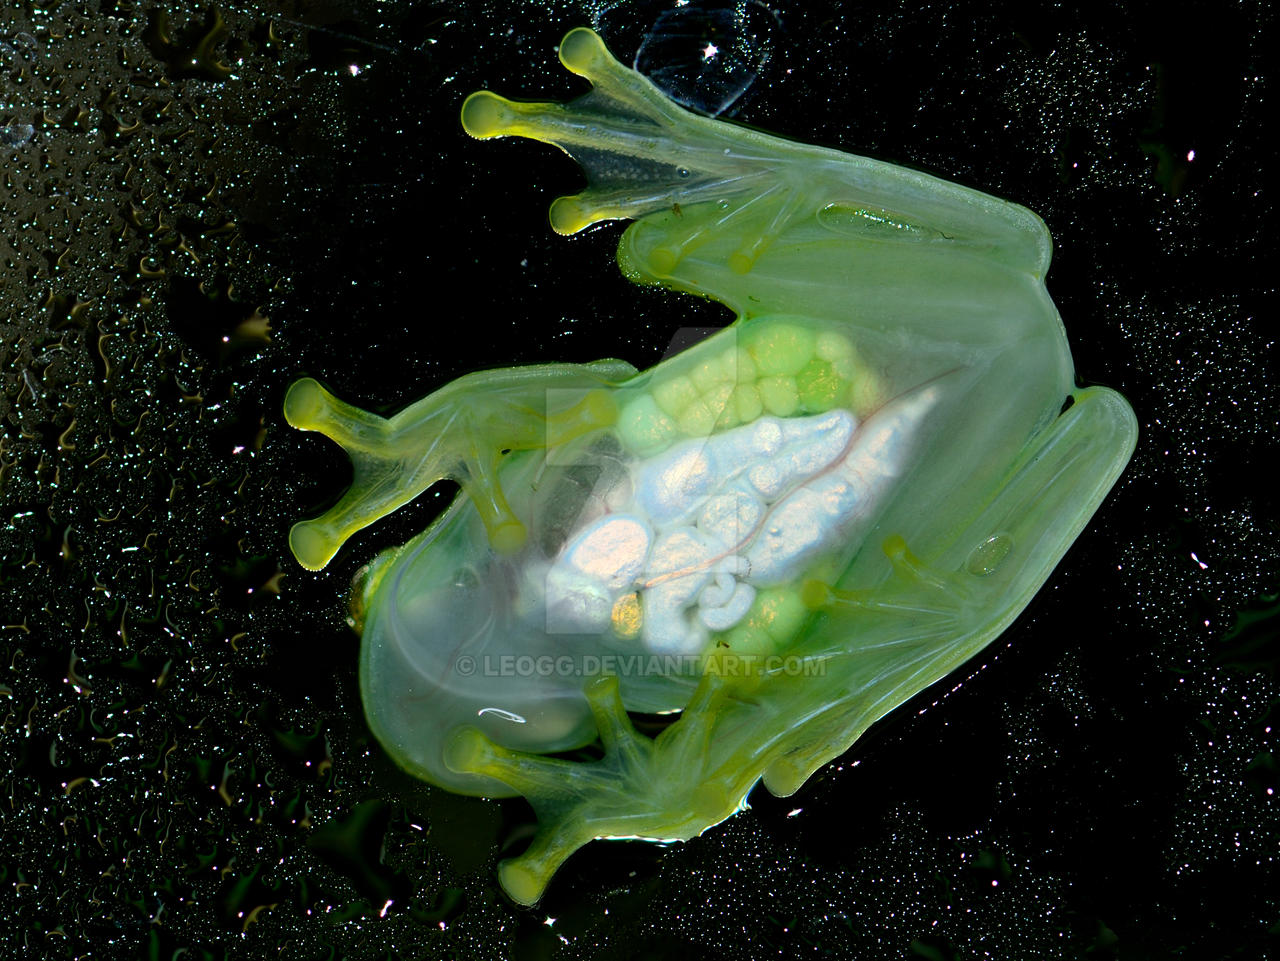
<point>709,521</point>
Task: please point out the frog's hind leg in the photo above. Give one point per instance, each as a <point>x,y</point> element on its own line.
<point>1012,545</point>
<point>644,154</point>
<point>932,615</point>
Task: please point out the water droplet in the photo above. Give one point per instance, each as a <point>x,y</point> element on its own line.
<point>987,556</point>
<point>15,134</point>
<point>704,54</point>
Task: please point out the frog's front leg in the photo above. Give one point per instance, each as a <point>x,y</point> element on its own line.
<point>670,788</point>
<point>460,432</point>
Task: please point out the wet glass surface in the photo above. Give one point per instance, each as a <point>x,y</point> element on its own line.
<point>201,203</point>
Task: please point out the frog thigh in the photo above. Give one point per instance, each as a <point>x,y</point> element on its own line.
<point>989,573</point>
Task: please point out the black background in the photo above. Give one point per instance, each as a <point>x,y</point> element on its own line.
<point>183,759</point>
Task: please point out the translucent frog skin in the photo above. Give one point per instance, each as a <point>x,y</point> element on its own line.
<point>774,538</point>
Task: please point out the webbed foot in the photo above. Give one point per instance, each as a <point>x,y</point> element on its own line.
<point>643,154</point>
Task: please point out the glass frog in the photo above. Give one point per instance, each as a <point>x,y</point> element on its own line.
<point>771,539</point>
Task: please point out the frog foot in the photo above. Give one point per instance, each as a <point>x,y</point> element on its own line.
<point>641,788</point>
<point>461,432</point>
<point>643,154</point>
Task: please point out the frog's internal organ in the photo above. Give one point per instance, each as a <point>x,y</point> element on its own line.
<point>697,529</point>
